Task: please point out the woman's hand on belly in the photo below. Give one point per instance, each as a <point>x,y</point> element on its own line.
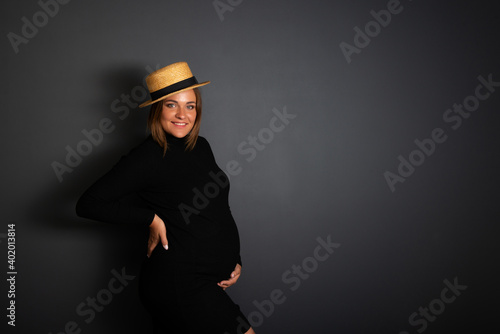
<point>157,233</point>
<point>234,277</point>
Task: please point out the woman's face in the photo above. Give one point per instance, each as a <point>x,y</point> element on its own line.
<point>179,113</point>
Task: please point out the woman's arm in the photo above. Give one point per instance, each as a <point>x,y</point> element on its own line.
<point>107,200</point>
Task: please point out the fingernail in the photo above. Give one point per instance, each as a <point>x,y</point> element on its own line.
<point>166,247</point>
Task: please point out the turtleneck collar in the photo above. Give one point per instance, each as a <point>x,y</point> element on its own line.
<point>173,141</point>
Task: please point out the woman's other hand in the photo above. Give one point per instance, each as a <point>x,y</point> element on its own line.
<point>234,277</point>
<point>157,233</point>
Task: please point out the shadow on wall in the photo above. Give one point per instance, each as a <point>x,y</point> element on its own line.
<point>108,132</point>
<point>112,130</point>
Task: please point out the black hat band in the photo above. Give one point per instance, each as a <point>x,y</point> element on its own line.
<point>173,88</point>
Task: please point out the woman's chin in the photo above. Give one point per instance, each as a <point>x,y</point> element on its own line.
<point>178,133</point>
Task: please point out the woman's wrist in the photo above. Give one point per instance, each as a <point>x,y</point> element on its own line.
<point>155,220</point>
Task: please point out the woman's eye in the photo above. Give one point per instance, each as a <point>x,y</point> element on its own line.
<point>170,105</point>
<point>190,107</point>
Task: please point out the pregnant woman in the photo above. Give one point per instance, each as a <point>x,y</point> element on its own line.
<point>193,247</point>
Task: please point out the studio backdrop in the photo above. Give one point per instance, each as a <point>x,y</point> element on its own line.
<point>360,137</point>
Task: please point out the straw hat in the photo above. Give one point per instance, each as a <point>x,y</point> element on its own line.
<point>170,80</point>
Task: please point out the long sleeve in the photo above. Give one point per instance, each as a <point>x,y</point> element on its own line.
<point>108,199</point>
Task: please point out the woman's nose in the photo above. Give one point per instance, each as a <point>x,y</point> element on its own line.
<point>180,113</point>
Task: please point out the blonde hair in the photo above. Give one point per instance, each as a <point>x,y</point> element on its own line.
<point>154,124</point>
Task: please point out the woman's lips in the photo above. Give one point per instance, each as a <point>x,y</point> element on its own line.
<point>179,124</point>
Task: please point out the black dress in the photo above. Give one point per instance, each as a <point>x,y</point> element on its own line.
<point>189,192</point>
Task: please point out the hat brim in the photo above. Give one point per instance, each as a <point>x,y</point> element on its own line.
<point>147,103</point>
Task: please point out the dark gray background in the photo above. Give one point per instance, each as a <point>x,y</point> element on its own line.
<point>322,175</point>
